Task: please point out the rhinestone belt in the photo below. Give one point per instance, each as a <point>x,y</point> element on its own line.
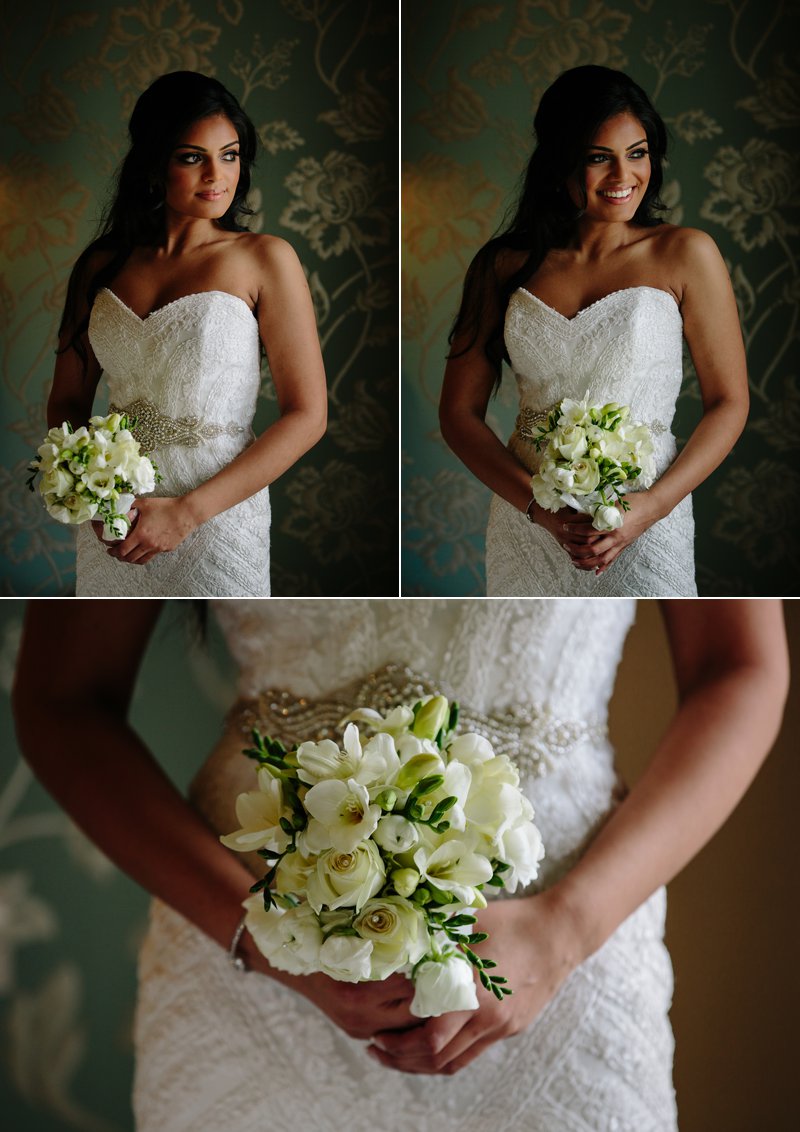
<point>533,738</point>
<point>154,429</point>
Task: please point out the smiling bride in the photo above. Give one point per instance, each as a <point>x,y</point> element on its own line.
<point>588,296</point>
<point>174,301</point>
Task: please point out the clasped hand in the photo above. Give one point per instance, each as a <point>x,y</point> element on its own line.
<point>535,949</point>
<point>159,524</point>
<point>590,549</point>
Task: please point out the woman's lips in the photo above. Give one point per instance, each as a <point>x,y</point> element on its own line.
<point>212,194</point>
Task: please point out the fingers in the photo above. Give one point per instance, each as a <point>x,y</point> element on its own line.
<point>440,1046</point>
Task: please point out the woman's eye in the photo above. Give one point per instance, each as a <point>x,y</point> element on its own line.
<point>188,158</point>
<point>639,153</point>
<point>595,158</point>
<point>231,156</point>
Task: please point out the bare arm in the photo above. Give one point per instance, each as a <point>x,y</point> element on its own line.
<point>288,331</point>
<point>75,734</point>
<point>731,666</point>
<point>711,328</point>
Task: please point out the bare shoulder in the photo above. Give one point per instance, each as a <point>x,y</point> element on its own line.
<point>269,255</point>
<point>690,247</point>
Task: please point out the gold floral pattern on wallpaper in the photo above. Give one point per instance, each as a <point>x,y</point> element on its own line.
<point>319,80</point>
<point>727,82</point>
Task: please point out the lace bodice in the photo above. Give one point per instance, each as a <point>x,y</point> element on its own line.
<point>189,373</point>
<point>626,347</point>
<point>562,655</point>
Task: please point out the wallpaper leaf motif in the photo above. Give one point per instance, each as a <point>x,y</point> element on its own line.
<point>728,87</point>
<point>319,80</point>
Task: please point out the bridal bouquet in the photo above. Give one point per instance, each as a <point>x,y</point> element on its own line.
<point>591,457</point>
<point>377,853</point>
<point>93,472</point>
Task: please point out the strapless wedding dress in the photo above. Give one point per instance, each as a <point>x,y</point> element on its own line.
<point>189,373</point>
<point>217,1049</point>
<point>627,347</point>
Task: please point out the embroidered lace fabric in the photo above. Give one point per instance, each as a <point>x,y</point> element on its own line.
<point>216,1049</point>
<point>190,373</point>
<point>626,347</point>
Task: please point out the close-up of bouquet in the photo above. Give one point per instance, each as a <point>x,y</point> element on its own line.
<point>93,472</point>
<point>591,457</point>
<point>377,852</point>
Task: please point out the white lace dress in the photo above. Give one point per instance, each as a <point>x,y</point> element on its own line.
<point>189,373</point>
<point>627,347</point>
<point>220,1050</point>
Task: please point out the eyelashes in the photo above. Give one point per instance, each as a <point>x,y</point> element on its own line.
<point>229,158</point>
<point>601,158</point>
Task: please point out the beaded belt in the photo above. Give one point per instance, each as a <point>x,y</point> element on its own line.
<point>533,738</point>
<point>154,429</point>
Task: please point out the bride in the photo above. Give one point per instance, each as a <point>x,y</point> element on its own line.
<point>584,1041</point>
<point>173,301</point>
<point>588,295</point>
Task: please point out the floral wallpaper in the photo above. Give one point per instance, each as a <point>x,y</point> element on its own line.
<point>725,76</point>
<point>70,922</point>
<point>319,80</point>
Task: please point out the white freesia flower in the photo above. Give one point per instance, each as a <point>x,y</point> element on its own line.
<point>259,813</point>
<point>323,760</point>
<point>607,518</point>
<point>290,940</point>
<point>101,483</point>
<point>453,867</point>
<point>345,879</point>
<point>292,872</point>
<point>470,749</point>
<point>395,833</point>
<point>574,413</point>
<point>442,985</point>
<point>346,958</point>
<point>545,493</point>
<point>520,847</point>
<point>344,811</point>
<point>398,933</point>
<point>395,723</point>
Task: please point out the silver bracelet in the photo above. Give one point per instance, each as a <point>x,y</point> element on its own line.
<point>528,515</point>
<point>236,961</point>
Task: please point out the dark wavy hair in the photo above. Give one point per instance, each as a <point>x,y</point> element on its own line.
<point>570,113</point>
<point>135,216</point>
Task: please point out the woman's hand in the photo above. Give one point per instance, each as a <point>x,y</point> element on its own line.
<point>160,524</point>
<point>590,549</point>
<point>361,1010</point>
<point>535,946</point>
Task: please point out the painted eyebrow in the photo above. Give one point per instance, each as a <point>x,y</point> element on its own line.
<point>200,149</point>
<point>605,149</point>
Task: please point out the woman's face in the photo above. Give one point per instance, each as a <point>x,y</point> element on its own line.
<point>616,170</point>
<point>203,170</point>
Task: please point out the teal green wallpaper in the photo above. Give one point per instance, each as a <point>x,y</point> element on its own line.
<point>70,922</point>
<point>319,80</point>
<point>725,76</point>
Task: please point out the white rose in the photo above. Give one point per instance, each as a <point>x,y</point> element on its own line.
<point>346,958</point>
<point>73,508</point>
<point>344,811</point>
<point>341,880</point>
<point>585,476</point>
<point>259,813</point>
<point>443,985</point>
<point>398,933</point>
<point>607,518</point>
<point>290,940</point>
<point>56,481</point>
<point>570,441</point>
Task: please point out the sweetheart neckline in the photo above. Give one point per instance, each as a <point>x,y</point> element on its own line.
<point>172,302</point>
<point>597,302</point>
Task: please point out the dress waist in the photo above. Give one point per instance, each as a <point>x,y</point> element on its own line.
<point>527,429</point>
<point>154,429</point>
<point>535,738</point>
